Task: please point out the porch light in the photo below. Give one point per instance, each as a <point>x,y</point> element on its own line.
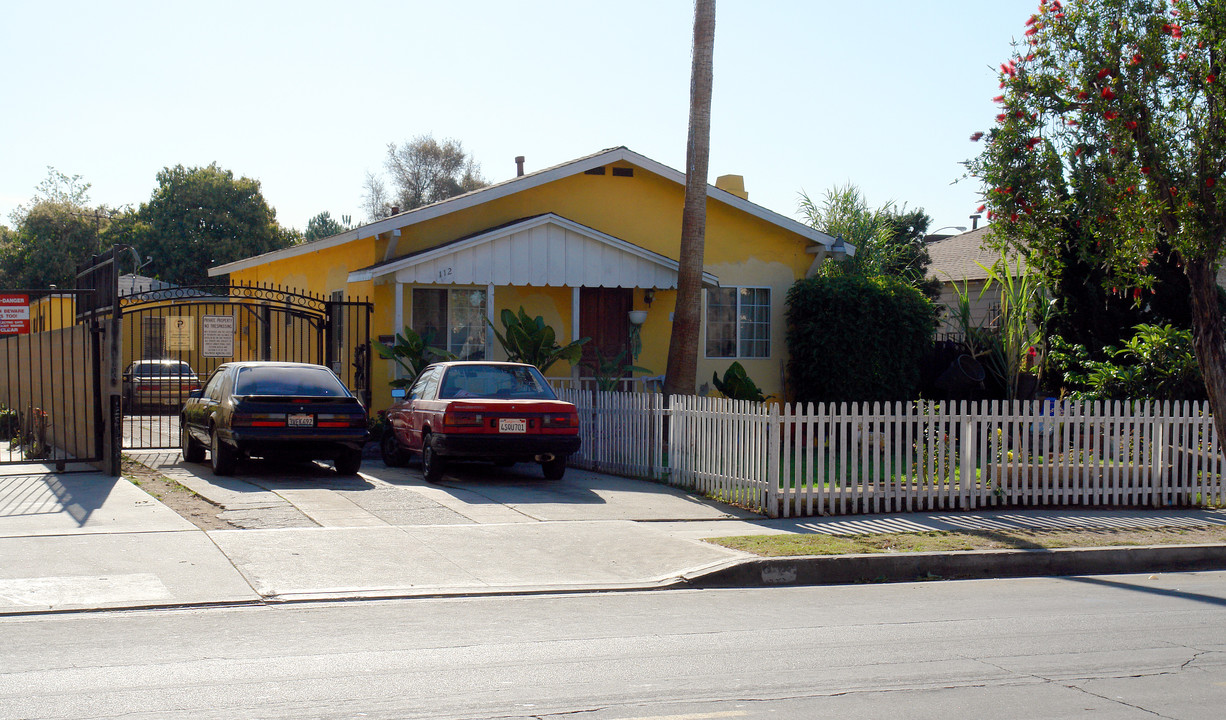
<point>648,295</point>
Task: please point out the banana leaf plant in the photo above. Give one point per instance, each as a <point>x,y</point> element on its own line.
<point>608,371</point>
<point>736,384</point>
<point>530,340</point>
<point>412,353</point>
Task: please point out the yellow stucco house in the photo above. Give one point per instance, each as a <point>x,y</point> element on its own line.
<point>582,244</point>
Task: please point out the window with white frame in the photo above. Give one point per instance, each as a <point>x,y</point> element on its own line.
<point>451,319</point>
<point>738,322</point>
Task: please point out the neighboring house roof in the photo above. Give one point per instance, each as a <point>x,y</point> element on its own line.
<point>520,184</point>
<point>541,250</point>
<point>962,257</point>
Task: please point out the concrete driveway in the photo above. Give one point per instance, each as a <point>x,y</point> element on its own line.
<point>262,495</point>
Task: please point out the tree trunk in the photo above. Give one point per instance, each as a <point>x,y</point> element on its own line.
<point>681,375</point>
<point>1209,338</point>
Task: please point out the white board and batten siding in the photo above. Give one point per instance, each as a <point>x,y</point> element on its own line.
<point>793,460</point>
<point>547,251</point>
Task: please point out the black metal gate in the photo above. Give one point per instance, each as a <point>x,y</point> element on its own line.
<point>50,389</point>
<point>174,337</point>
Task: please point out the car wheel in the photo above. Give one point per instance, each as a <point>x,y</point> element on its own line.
<point>223,458</point>
<point>554,469</point>
<point>348,462</point>
<point>389,448</point>
<point>193,451</point>
<point>432,465</point>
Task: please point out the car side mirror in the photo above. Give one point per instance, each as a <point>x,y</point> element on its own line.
<point>398,392</point>
<point>196,394</point>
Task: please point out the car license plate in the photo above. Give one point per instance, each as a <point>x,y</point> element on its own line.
<point>512,425</point>
<point>301,420</point>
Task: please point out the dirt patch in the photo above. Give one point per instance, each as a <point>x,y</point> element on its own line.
<point>194,508</point>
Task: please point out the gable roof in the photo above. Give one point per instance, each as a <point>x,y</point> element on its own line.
<point>538,251</point>
<point>520,184</point>
<point>963,257</point>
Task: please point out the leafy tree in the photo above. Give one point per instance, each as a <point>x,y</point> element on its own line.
<point>681,374</point>
<point>323,225</point>
<point>424,171</point>
<point>203,216</point>
<point>48,244</point>
<point>1112,137</point>
<point>52,234</point>
<point>889,240</point>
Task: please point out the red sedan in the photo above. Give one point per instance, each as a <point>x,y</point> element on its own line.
<point>495,411</point>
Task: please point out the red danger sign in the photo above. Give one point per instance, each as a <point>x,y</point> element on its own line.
<point>14,314</point>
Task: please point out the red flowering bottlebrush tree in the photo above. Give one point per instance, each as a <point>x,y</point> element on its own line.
<point>1112,131</point>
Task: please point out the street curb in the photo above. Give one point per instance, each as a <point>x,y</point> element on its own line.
<point>959,565</point>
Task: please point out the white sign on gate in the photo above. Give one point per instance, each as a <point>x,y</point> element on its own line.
<point>217,336</point>
<point>180,333</point>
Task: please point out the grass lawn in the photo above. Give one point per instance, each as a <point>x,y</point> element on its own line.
<point>943,541</point>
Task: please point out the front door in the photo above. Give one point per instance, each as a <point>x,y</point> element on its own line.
<point>604,316</point>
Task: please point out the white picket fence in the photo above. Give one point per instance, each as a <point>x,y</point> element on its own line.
<point>788,460</point>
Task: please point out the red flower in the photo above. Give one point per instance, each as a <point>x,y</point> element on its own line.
<point>1083,95</point>
<point>1145,170</point>
<point>1111,115</point>
<point>1114,151</point>
<point>1033,19</point>
<point>1211,78</point>
<point>1104,73</point>
<point>999,99</point>
<point>1031,31</point>
<point>1144,262</point>
<point>981,208</point>
<point>1001,118</point>
<point>977,137</point>
<point>1132,124</point>
<point>1136,293</point>
<point>1032,142</point>
<point>1107,94</point>
<point>1110,181</point>
<point>1078,151</point>
<point>1183,56</point>
<point>1174,191</point>
<point>1210,182</point>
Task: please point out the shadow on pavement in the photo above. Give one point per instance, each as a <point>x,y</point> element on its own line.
<point>52,495</point>
<point>1196,597</point>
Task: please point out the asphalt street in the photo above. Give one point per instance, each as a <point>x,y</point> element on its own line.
<point>1125,646</point>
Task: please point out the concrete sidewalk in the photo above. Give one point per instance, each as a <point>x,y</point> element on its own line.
<point>83,541</point>
<point>86,541</point>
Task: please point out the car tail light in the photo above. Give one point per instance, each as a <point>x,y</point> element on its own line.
<point>258,420</point>
<point>463,419</point>
<point>340,421</point>
<point>565,420</point>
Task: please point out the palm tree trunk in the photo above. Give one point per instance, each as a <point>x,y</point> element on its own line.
<point>681,375</point>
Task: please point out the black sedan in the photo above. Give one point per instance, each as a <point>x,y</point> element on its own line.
<point>275,410</point>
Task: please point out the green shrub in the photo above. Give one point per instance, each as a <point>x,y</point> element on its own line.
<point>857,339</point>
<point>1157,363</point>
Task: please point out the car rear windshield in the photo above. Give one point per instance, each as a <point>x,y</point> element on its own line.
<point>163,368</point>
<point>274,380</point>
<point>495,381</point>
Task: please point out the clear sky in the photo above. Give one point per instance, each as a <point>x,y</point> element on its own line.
<point>305,96</point>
